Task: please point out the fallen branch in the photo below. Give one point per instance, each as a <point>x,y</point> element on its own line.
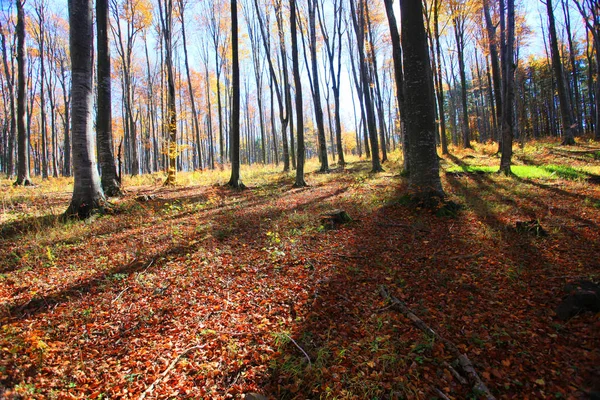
<point>162,376</point>
<point>441,394</point>
<point>120,294</point>
<point>466,365</point>
<point>301,349</point>
<point>455,373</point>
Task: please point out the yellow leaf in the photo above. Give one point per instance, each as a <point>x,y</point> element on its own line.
<point>540,382</point>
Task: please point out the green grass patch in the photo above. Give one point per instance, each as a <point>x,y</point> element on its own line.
<point>530,171</point>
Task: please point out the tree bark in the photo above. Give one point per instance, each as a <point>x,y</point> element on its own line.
<point>109,179</point>
<point>23,148</point>
<point>234,130</point>
<point>563,98</point>
<point>13,115</point>
<point>299,111</point>
<point>167,23</point>
<point>508,84</point>
<point>419,115</point>
<point>87,192</point>
<point>358,23</point>
<point>316,87</point>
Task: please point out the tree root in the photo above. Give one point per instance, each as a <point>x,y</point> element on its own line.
<point>466,365</point>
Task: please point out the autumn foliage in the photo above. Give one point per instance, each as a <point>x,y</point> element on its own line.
<point>263,298</point>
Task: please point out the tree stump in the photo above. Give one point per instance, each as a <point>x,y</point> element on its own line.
<point>582,296</point>
<point>333,218</point>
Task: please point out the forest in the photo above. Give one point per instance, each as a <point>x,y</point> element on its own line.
<point>299,199</point>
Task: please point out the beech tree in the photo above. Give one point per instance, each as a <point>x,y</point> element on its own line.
<point>88,196</point>
<point>104,141</point>
<point>419,112</point>
<point>23,142</point>
<point>235,181</point>
<point>568,127</point>
<point>166,19</point>
<point>508,90</point>
<point>9,82</point>
<point>298,84</point>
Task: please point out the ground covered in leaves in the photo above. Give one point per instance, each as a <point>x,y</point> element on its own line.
<point>198,291</point>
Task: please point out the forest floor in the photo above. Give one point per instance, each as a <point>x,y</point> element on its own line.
<point>198,291</point>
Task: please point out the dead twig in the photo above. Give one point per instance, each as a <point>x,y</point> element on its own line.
<point>440,394</point>
<point>463,360</point>
<point>301,349</point>
<point>120,294</point>
<point>163,375</point>
<point>455,373</point>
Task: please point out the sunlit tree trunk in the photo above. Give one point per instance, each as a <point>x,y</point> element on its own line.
<point>13,115</point>
<point>398,73</point>
<point>166,17</point>
<point>419,112</point>
<point>110,181</point>
<point>508,87</point>
<point>563,97</point>
<point>316,86</point>
<point>234,129</point>
<point>358,20</point>
<point>493,50</point>
<point>182,5</point>
<point>87,192</point>
<point>299,111</point>
<point>23,150</point>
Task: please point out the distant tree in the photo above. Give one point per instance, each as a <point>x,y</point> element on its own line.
<point>316,92</point>
<point>166,19</point>
<point>333,44</point>
<point>568,126</point>
<point>397,58</point>
<point>460,11</point>
<point>235,181</point>
<point>23,151</point>
<point>9,77</point>
<point>590,11</point>
<point>182,6</point>
<point>419,112</point>
<point>87,192</point>
<point>508,89</point>
<point>493,51</point>
<point>359,23</point>
<point>104,142</point>
<point>299,111</point>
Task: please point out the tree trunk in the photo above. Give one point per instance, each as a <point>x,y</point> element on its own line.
<point>190,88</point>
<point>23,150</point>
<point>13,115</point>
<point>563,98</point>
<point>110,180</point>
<point>398,74</point>
<point>376,94</point>
<point>420,110</point>
<point>316,87</point>
<point>234,130</point>
<point>459,35</point>
<point>358,22</point>
<point>493,48</point>
<point>166,20</point>
<point>299,112</point>
<point>509,91</point>
<point>87,192</point>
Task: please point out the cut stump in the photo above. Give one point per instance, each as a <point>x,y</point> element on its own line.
<point>333,218</point>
